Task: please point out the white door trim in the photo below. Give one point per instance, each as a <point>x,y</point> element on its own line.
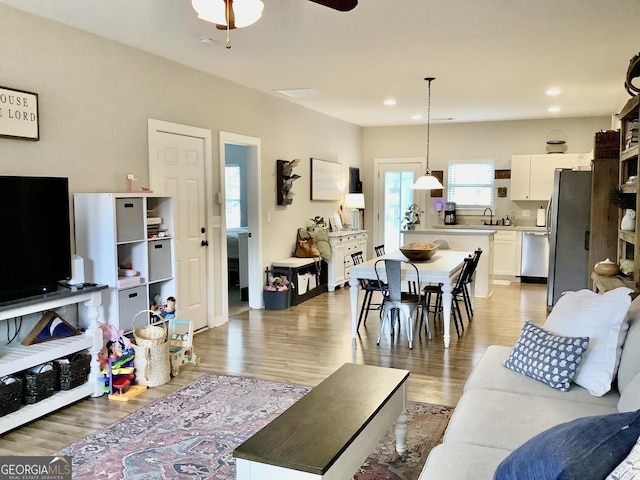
<point>254,205</point>
<point>214,316</point>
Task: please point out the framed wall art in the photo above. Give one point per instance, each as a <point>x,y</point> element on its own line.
<point>325,180</point>
<point>19,114</point>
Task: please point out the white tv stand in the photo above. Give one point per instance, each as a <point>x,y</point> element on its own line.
<point>18,357</point>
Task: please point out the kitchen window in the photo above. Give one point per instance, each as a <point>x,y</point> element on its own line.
<point>470,184</point>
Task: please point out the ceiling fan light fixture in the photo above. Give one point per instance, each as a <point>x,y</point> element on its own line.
<point>244,12</point>
<point>428,181</point>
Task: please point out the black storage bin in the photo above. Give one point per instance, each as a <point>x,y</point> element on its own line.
<point>276,300</point>
<point>72,371</point>
<point>10,396</point>
<point>38,386</point>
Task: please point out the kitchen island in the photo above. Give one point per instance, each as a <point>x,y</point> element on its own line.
<point>464,239</point>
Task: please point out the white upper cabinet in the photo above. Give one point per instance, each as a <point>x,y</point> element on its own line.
<point>532,175</point>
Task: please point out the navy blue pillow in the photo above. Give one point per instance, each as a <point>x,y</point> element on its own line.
<point>588,448</point>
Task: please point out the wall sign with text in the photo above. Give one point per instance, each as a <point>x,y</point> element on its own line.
<point>19,114</point>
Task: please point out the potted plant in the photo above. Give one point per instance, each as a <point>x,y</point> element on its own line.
<point>318,223</point>
<point>412,216</point>
<point>626,203</point>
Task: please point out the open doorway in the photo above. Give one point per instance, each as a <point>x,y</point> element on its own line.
<point>248,150</point>
<point>237,226</point>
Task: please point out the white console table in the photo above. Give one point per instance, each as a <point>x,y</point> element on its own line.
<point>17,357</point>
<point>343,244</point>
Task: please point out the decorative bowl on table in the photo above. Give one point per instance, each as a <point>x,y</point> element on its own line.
<point>606,268</point>
<point>419,251</point>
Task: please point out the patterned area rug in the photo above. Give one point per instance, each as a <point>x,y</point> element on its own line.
<point>192,432</point>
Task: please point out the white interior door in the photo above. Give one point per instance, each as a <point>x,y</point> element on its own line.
<point>394,179</point>
<point>177,167</point>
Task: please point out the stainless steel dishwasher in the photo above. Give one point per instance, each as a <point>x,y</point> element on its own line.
<point>534,267</point>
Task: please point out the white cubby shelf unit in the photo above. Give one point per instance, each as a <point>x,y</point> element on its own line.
<point>132,232</point>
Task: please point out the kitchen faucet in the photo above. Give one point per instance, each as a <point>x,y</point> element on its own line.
<point>490,217</point>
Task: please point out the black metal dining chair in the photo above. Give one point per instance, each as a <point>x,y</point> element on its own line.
<point>456,295</point>
<point>379,250</point>
<point>398,303</point>
<point>370,287</point>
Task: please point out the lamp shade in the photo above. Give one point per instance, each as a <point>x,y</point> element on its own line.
<point>427,182</point>
<point>245,12</point>
<point>354,200</point>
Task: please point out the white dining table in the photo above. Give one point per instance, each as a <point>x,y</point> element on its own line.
<point>443,268</point>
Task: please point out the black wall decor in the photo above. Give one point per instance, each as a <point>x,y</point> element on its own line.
<point>284,180</point>
<point>355,185</point>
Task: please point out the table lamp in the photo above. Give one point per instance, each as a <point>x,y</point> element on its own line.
<point>354,201</point>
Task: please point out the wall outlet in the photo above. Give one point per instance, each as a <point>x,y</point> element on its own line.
<point>526,213</point>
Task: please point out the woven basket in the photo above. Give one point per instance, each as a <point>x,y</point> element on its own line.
<point>73,373</point>
<point>38,386</point>
<point>152,364</point>
<point>10,396</point>
<point>149,335</point>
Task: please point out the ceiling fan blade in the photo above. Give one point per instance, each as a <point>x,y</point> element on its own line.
<point>341,5</point>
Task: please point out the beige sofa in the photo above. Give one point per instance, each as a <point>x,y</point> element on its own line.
<point>501,409</point>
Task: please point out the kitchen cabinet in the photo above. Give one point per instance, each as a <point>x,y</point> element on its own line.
<point>343,244</point>
<point>505,253</point>
<point>127,242</point>
<point>532,175</point>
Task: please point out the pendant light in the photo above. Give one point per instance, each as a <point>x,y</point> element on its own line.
<point>428,181</point>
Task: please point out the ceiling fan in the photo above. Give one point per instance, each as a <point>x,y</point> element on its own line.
<point>341,5</point>
<point>231,14</point>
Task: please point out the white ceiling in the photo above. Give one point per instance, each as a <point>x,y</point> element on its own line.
<point>492,59</point>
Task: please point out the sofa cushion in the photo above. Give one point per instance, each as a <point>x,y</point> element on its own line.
<point>630,398</point>
<point>444,462</point>
<point>490,374</point>
<point>506,420</point>
<point>549,358</point>
<point>629,468</point>
<point>630,359</point>
<point>583,449</point>
<point>602,318</point>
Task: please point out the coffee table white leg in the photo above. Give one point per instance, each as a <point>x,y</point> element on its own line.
<point>401,433</point>
<point>446,312</point>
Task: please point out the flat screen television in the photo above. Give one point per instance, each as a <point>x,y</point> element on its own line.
<point>35,240</point>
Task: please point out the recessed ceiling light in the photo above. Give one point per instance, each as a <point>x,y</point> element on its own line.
<point>207,41</point>
<point>553,109</point>
<point>389,102</point>
<point>553,92</point>
<point>417,116</point>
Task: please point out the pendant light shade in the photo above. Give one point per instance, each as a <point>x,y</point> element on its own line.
<point>229,13</point>
<point>428,181</point>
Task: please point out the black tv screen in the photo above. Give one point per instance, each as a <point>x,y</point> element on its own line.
<point>35,242</point>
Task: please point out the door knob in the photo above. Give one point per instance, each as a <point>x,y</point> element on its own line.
<point>204,243</point>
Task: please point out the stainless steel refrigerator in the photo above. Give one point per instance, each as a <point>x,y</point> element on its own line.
<point>568,216</point>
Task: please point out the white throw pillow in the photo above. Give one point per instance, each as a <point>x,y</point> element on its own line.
<point>602,318</point>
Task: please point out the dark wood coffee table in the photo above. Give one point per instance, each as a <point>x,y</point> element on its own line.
<point>329,432</point>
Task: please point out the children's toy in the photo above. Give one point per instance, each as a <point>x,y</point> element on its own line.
<point>181,345</point>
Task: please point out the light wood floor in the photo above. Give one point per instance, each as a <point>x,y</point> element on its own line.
<point>304,345</point>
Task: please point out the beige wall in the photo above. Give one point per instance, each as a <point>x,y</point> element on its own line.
<point>495,141</point>
<point>95,97</point>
